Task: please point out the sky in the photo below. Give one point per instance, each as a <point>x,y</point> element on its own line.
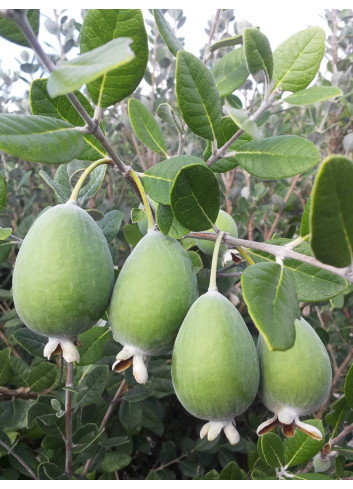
<point>275,21</point>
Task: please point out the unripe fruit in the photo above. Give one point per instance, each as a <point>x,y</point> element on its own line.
<point>63,277</point>
<point>155,289</point>
<point>215,368</point>
<point>224,222</point>
<point>294,382</point>
<point>224,284</point>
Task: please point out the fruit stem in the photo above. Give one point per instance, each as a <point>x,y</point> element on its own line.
<point>68,419</point>
<point>245,255</point>
<point>213,278</point>
<point>142,192</point>
<point>81,180</point>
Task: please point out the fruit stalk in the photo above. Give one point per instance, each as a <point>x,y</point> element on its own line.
<point>213,276</point>
<point>142,192</point>
<point>85,174</point>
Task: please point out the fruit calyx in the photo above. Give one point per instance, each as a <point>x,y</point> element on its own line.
<point>132,355</point>
<point>289,421</point>
<point>213,428</point>
<point>67,346</point>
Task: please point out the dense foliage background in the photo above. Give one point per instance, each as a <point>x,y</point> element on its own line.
<point>130,431</point>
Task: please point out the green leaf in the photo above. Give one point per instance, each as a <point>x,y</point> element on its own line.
<point>278,156</point>
<point>271,450</point>
<point>332,212</point>
<point>158,180</point>
<point>198,98</point>
<point>132,234</point>
<point>101,26</point>
<point>5,233</point>
<point>231,472</point>
<point>38,138</point>
<point>196,260</point>
<point>130,415</point>
<point>111,223</point>
<point>258,52</point>
<point>270,294</point>
<point>348,387</point>
<point>301,448</point>
<point>31,342</point>
<point>93,342</point>
<point>42,376</point>
<point>167,223</point>
<point>313,95</point>
<point>114,461</point>
<point>167,114</point>
<point>146,127</point>
<point>85,436</point>
<point>244,122</point>
<point>5,368</point>
<point>5,250</point>
<point>305,222</point>
<point>168,36</point>
<point>50,471</point>
<point>230,72</point>
<point>62,191</point>
<point>92,385</point>
<point>61,108</point>
<point>339,411</point>
<point>87,67</point>
<point>3,192</point>
<point>312,283</point>
<point>10,31</point>
<point>227,42</point>
<point>298,59</point>
<point>195,197</point>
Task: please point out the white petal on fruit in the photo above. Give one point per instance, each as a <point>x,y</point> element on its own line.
<point>266,423</point>
<point>70,352</point>
<point>139,368</point>
<point>231,433</point>
<point>309,429</point>
<point>50,347</point>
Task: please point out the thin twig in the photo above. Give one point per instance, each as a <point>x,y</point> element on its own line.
<point>68,419</point>
<point>105,419</point>
<point>19,459</point>
<point>212,33</point>
<point>282,252</point>
<point>347,430</point>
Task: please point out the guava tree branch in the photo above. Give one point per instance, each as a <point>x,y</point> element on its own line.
<point>281,252</point>
<point>19,459</point>
<point>20,18</point>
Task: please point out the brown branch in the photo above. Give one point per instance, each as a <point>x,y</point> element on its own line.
<point>19,459</point>
<point>21,393</point>
<point>105,419</point>
<point>68,419</point>
<point>347,430</point>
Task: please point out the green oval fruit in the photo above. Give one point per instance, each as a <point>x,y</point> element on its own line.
<point>224,222</point>
<point>224,284</point>
<point>295,382</point>
<point>64,274</point>
<point>151,297</point>
<point>215,368</point>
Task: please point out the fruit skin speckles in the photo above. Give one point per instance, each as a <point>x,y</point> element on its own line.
<point>153,293</point>
<point>63,277</point>
<point>294,382</point>
<point>215,368</point>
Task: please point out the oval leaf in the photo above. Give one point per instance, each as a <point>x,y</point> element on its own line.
<point>197,95</point>
<point>111,223</point>
<point>61,108</point>
<point>227,42</point>
<point>93,342</point>
<point>39,139</point>
<point>271,450</point>
<point>168,36</point>
<point>301,448</point>
<point>230,72</point>
<point>298,59</point>
<point>146,127</point>
<point>159,179</point>
<point>270,294</point>
<point>71,75</point>
<point>244,122</point>
<point>101,26</point>
<point>258,52</point>
<point>332,212</point>
<point>277,156</point>
<point>195,197</point>
<point>167,223</point>
<point>312,95</point>
<point>3,192</point>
